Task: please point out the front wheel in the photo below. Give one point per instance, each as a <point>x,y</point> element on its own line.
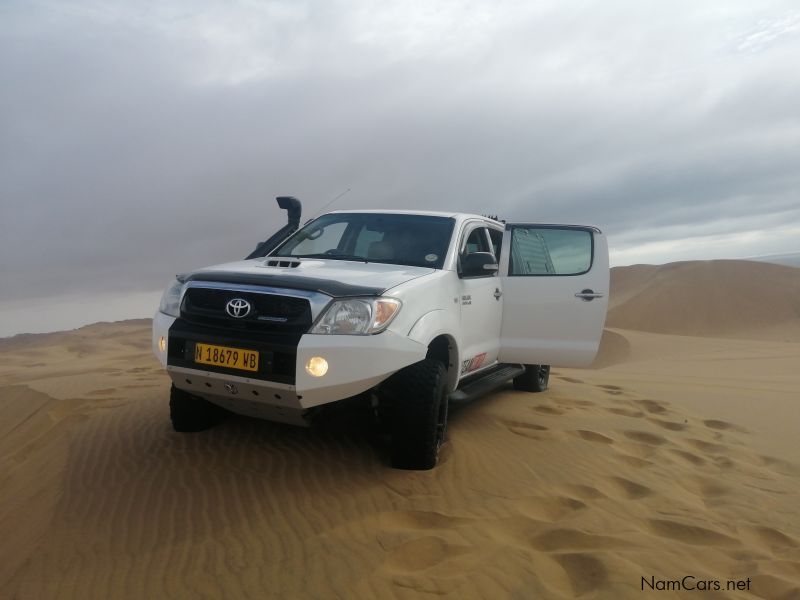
<point>419,402</point>
<point>535,378</point>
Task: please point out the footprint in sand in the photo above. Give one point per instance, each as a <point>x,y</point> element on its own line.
<point>708,447</point>
<point>781,466</point>
<point>576,403</point>
<point>585,572</point>
<point>652,406</point>
<point>613,390</point>
<point>630,489</point>
<point>558,540</point>
<point>547,410</point>
<point>645,438</point>
<point>549,509</point>
<point>723,426</point>
<point>626,412</point>
<point>585,492</point>
<point>529,430</point>
<point>711,489</point>
<point>724,462</point>
<point>690,534</point>
<point>593,436</point>
<point>524,425</point>
<point>772,538</point>
<point>671,425</point>
<point>634,461</point>
<point>688,457</point>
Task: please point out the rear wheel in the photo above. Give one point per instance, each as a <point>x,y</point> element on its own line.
<point>192,413</point>
<point>535,378</point>
<point>418,401</point>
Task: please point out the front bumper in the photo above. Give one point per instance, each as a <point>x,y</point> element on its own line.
<point>355,365</point>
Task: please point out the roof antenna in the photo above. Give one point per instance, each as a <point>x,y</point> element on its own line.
<point>328,204</point>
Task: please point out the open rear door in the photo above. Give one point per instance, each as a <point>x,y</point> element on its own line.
<point>555,294</point>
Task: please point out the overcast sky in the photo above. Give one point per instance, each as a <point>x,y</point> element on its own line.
<point>138,139</point>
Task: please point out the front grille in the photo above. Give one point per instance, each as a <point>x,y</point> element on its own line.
<point>277,351</point>
<point>269,312</point>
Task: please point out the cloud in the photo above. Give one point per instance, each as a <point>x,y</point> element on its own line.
<point>137,141</point>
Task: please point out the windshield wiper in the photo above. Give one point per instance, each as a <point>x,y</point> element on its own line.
<point>333,256</point>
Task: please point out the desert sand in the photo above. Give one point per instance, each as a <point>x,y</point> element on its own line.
<point>675,455</point>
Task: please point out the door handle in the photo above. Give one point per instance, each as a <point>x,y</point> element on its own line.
<point>588,295</point>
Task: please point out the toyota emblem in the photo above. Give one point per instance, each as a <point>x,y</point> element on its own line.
<point>238,308</point>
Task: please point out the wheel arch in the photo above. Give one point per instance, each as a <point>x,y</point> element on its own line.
<point>437,330</point>
<point>444,349</point>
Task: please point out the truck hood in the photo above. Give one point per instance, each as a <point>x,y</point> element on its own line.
<point>337,278</point>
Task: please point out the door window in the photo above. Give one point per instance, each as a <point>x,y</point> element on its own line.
<point>476,241</point>
<point>550,251</point>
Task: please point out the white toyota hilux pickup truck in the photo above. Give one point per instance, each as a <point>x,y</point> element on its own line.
<point>412,310</point>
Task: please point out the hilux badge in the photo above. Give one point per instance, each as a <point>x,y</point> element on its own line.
<point>238,308</point>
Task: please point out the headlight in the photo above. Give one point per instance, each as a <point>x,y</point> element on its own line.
<point>171,300</point>
<point>358,316</point>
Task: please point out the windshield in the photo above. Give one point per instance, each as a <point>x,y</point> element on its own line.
<point>415,240</point>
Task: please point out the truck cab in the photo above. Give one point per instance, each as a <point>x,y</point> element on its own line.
<point>412,309</point>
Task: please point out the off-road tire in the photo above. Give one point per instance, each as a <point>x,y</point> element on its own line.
<point>535,378</point>
<point>419,402</point>
<point>191,413</point>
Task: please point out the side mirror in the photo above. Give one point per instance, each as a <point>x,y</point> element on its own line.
<point>478,264</point>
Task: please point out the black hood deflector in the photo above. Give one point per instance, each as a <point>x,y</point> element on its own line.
<point>336,289</point>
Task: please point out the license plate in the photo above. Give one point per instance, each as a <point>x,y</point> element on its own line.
<point>223,356</point>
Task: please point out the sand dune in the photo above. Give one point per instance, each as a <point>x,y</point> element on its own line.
<point>708,298</point>
<point>674,456</point>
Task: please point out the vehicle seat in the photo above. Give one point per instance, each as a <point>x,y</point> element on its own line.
<point>380,251</point>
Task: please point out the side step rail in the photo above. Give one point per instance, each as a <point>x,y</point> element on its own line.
<point>484,384</point>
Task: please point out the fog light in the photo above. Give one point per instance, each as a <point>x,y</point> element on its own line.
<point>162,344</point>
<point>317,366</point>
